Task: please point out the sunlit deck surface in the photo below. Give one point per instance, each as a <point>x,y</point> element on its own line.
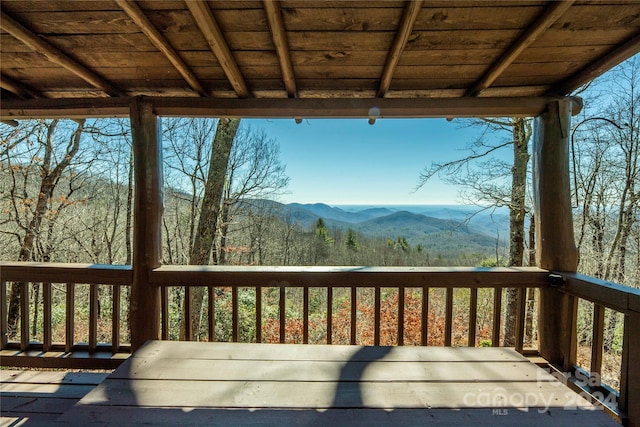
<point>261,384</point>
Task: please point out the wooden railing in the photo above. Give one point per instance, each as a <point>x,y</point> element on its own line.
<point>402,279</point>
<point>68,278</point>
<point>621,299</point>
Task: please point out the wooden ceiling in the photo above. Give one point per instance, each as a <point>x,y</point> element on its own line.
<point>310,48</point>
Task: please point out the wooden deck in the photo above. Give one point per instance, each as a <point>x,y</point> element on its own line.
<point>40,397</point>
<point>263,384</point>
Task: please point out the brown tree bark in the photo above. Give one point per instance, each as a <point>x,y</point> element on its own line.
<point>211,204</point>
<point>517,213</point>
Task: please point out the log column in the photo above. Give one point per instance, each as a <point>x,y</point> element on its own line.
<point>556,249</point>
<point>147,222</point>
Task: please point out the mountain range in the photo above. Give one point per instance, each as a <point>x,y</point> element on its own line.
<point>441,226</point>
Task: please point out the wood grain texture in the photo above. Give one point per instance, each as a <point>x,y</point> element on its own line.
<point>282,108</point>
<point>217,42</point>
<point>262,384</point>
<point>147,223</point>
<point>279,36</point>
<point>257,48</point>
<point>405,28</point>
<point>629,373</point>
<point>38,397</point>
<point>348,276</point>
<point>56,55</point>
<point>65,272</point>
<point>298,352</point>
<point>480,417</point>
<point>551,14</point>
<point>141,20</point>
<point>555,247</point>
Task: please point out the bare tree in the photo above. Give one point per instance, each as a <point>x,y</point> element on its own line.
<point>254,172</point>
<point>486,186</point>
<point>49,156</point>
<point>206,229</point>
<point>607,149</point>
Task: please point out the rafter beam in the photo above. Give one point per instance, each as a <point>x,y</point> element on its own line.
<point>550,15</point>
<point>213,35</point>
<point>137,15</point>
<point>283,107</point>
<point>19,89</point>
<point>599,66</point>
<point>55,55</point>
<point>409,17</point>
<point>279,36</point>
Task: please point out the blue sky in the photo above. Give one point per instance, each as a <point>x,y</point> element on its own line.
<point>347,162</point>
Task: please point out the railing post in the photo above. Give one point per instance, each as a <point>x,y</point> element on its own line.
<point>630,372</point>
<point>556,248</point>
<point>147,222</point>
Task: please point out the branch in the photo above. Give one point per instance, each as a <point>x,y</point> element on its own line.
<point>452,167</point>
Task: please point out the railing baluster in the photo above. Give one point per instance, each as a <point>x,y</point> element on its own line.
<point>473,314</point>
<point>4,333</point>
<point>571,327</point>
<point>401,315</point>
<point>282,313</point>
<point>305,315</point>
<point>46,321</point>
<point>164,307</point>
<point>93,318</point>
<point>258,314</point>
<point>376,317</point>
<point>329,315</point>
<point>211,313</point>
<point>597,338</point>
<point>115,317</point>
<point>188,333</point>
<point>24,316</point>
<point>424,332</point>
<point>70,318</point>
<point>448,321</point>
<point>497,316</point>
<point>354,313</point>
<point>235,315</point>
<point>520,314</point>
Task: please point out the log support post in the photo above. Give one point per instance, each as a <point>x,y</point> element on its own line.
<point>556,248</point>
<point>629,402</point>
<point>147,222</point>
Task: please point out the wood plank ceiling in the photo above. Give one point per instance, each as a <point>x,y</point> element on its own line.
<point>310,48</point>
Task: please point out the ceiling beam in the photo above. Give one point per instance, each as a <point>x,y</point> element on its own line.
<point>407,23</point>
<point>279,36</point>
<point>550,15</point>
<point>159,41</point>
<point>19,89</point>
<point>599,66</point>
<point>55,55</point>
<point>213,35</point>
<point>283,107</point>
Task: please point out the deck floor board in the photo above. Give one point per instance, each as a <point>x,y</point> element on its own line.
<point>290,384</point>
<point>35,398</point>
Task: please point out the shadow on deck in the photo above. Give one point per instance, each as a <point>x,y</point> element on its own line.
<point>168,383</point>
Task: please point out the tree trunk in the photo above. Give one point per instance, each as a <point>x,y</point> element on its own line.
<point>531,293</point>
<point>225,219</point>
<point>516,221</point>
<point>210,209</point>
